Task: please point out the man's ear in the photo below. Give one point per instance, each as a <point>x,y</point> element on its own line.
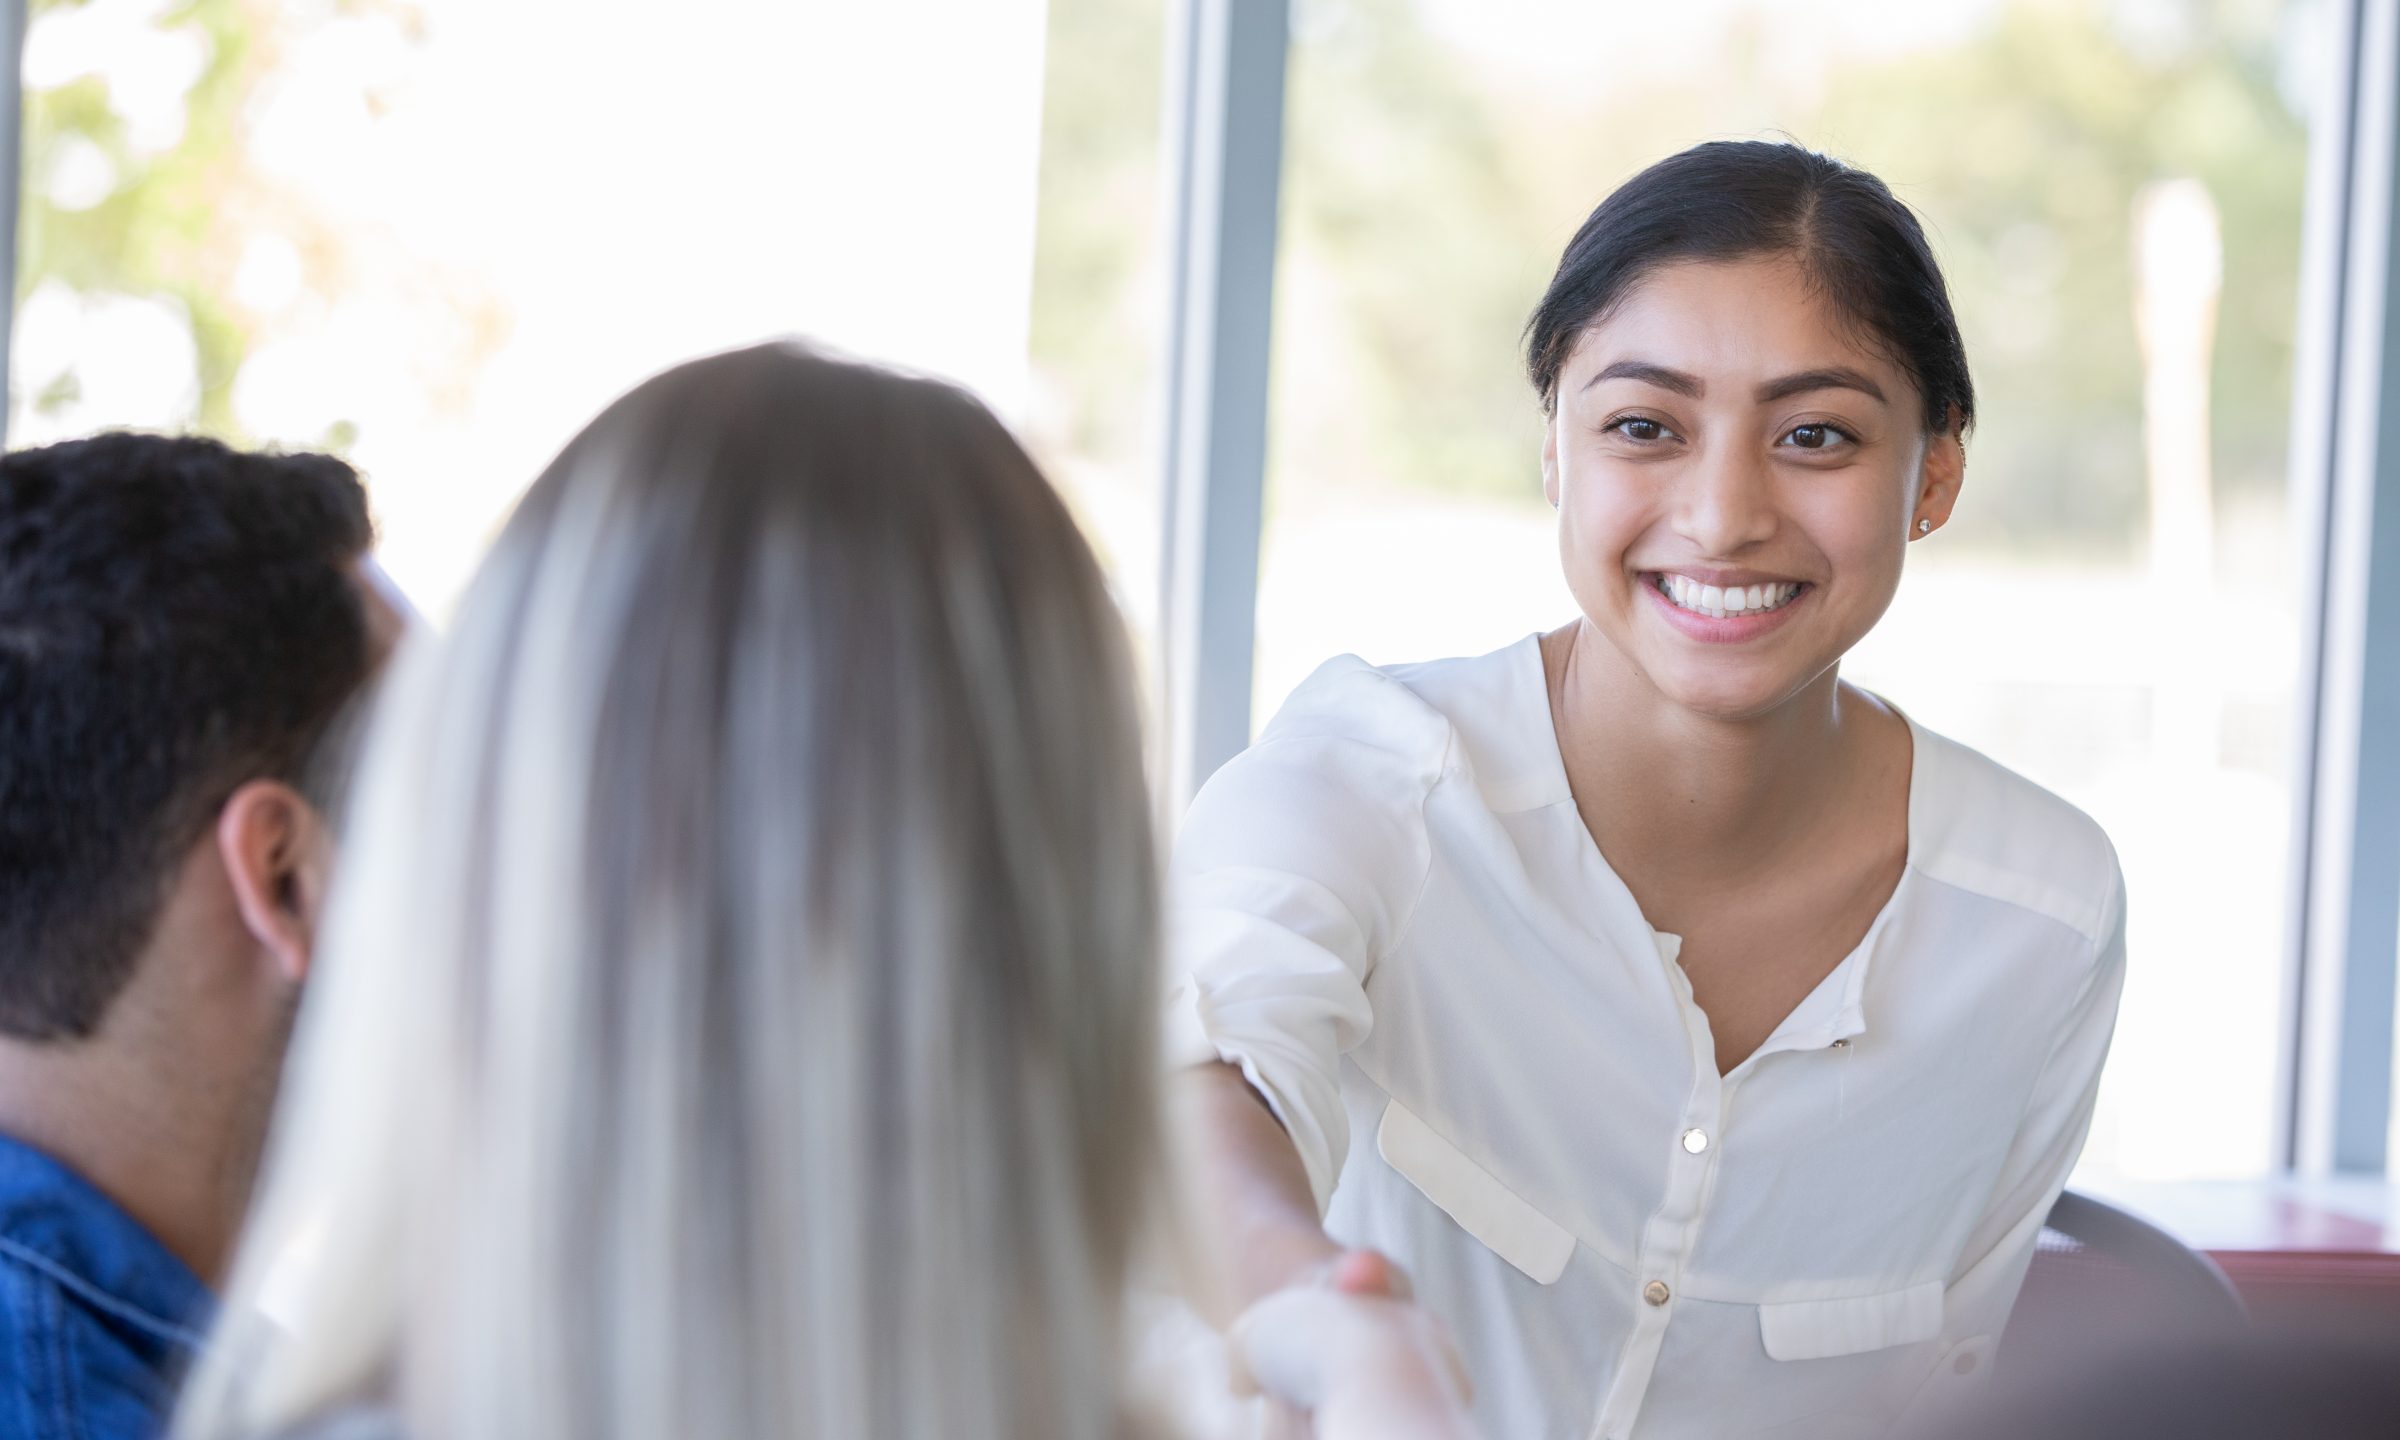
<point>1942,476</point>
<point>277,855</point>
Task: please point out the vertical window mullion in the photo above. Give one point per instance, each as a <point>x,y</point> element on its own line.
<point>12,151</point>
<point>2346,923</point>
<point>1225,159</point>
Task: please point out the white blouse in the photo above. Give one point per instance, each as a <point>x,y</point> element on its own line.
<point>1389,914</point>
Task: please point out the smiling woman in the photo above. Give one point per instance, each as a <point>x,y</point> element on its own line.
<point>1725,424</point>
<point>1724,1035</point>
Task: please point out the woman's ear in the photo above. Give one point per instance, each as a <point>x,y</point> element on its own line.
<point>277,854</point>
<point>1940,477</point>
<point>1550,459</point>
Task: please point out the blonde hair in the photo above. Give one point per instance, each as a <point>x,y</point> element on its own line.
<point>736,1009</point>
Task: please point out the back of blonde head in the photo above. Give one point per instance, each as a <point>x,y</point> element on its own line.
<point>735,1014</point>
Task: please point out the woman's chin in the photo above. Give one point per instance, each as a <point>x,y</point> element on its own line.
<point>1722,689</point>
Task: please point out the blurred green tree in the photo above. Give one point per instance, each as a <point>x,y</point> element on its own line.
<point>173,220</point>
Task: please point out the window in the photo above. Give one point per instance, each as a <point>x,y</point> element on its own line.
<point>1098,296</point>
<point>437,235</point>
<point>2115,610</point>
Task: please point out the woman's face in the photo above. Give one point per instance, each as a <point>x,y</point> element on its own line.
<point>1737,476</point>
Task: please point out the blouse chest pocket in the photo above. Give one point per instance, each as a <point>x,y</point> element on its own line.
<point>1472,1196</point>
<point>1851,1325</point>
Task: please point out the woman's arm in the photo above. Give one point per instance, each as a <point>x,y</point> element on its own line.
<point>1252,1194</point>
<point>1297,868</point>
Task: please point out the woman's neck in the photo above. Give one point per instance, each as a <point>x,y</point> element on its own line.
<point>1669,792</point>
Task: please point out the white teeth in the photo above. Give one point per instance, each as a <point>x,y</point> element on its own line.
<point>1719,602</point>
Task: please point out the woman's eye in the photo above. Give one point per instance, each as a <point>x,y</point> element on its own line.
<point>1815,437</point>
<point>1637,427</point>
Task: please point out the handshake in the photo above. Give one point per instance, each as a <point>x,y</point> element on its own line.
<point>1345,1353</point>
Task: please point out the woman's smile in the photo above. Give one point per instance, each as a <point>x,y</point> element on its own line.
<point>1726,608</point>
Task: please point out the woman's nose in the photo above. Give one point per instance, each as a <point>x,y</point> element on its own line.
<point>1727,504</point>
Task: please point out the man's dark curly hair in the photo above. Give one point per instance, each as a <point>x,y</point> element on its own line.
<point>177,618</point>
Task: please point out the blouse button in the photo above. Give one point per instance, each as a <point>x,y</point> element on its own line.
<point>1656,1292</point>
<point>1694,1141</point>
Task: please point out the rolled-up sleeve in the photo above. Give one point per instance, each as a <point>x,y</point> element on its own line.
<point>1295,872</point>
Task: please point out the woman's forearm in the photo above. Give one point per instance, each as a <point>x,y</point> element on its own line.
<point>1258,1218</point>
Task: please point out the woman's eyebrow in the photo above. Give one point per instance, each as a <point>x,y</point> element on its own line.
<point>1649,374</point>
<point>1836,378</point>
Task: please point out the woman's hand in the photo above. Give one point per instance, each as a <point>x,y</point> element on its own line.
<point>1356,1354</point>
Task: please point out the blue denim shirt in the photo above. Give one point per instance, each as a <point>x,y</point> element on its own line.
<point>97,1320</point>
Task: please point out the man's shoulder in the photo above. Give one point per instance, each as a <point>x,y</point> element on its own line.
<point>69,1369</point>
<point>96,1319</point>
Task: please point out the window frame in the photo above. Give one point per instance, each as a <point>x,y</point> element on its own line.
<point>2341,960</point>
<point>1226,66</point>
<point>2343,934</point>
<point>1224,158</point>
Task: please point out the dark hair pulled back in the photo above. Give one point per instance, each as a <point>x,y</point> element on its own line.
<point>1732,199</point>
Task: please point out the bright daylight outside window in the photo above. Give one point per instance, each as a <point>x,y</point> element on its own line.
<point>437,235</point>
<point>1099,293</point>
<point>434,235</point>
<point>2115,191</point>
